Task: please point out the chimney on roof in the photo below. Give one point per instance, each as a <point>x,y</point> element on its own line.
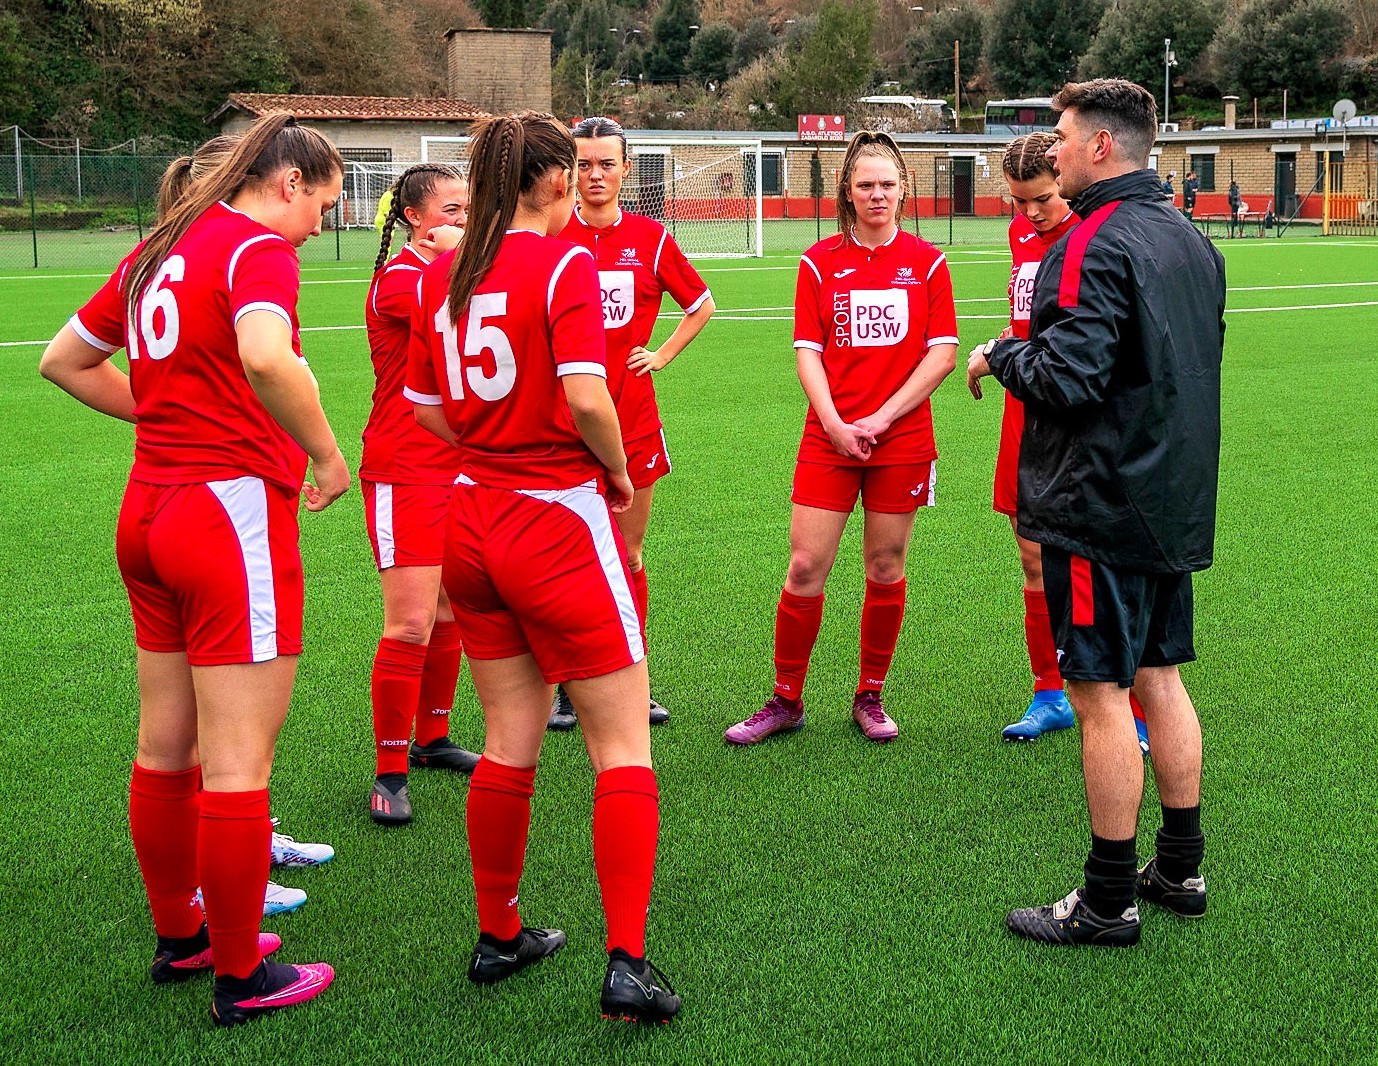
<point>1230,104</point>
<point>500,70</point>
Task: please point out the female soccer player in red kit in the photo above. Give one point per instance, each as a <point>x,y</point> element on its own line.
<point>638,261</point>
<point>226,415</point>
<point>875,332</point>
<point>1042,218</point>
<point>407,476</point>
<point>507,358</point>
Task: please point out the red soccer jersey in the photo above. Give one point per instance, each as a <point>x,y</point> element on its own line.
<point>1027,248</point>
<point>873,314</point>
<point>197,418</point>
<point>397,451</point>
<point>534,318</point>
<point>638,261</point>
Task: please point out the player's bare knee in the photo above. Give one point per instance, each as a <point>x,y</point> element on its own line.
<point>411,627</point>
<point>885,567</point>
<point>807,573</point>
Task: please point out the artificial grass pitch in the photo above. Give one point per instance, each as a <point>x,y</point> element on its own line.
<point>818,898</point>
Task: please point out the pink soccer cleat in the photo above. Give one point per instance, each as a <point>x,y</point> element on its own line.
<point>779,715</point>
<point>272,986</point>
<point>179,958</point>
<point>871,716</point>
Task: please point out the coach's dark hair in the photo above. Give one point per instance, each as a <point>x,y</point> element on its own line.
<point>271,145</point>
<point>185,169</point>
<point>866,143</point>
<point>1026,157</point>
<point>1127,110</point>
<point>508,157</point>
<point>412,189</point>
<point>588,128</point>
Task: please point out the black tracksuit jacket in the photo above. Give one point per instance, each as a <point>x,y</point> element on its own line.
<point>1120,379</point>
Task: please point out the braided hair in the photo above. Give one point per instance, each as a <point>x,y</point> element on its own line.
<point>412,189</point>
<point>1027,156</point>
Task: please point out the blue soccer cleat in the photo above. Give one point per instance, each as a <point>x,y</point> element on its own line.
<point>1048,712</point>
<point>1141,727</point>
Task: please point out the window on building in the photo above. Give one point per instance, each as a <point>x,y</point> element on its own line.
<point>1337,169</point>
<point>772,173</point>
<point>1204,165</point>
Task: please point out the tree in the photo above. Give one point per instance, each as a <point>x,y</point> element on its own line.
<point>1032,46</point>
<point>671,38</point>
<point>929,50</point>
<point>590,33</point>
<point>834,64</point>
<point>1265,46</point>
<point>578,87</point>
<point>1129,43</point>
<point>502,14</point>
<point>755,91</point>
<point>754,41</point>
<point>710,54</point>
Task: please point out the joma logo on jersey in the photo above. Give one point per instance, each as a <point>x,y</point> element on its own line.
<point>619,297</point>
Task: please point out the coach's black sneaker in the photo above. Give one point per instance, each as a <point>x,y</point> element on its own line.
<point>562,711</point>
<point>495,959</point>
<point>659,715</point>
<point>1188,899</point>
<point>635,991</point>
<point>389,803</point>
<point>272,986</point>
<point>443,754</point>
<point>1071,921</point>
<point>180,957</point>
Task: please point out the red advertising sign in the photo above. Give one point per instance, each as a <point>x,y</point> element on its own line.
<point>822,128</point>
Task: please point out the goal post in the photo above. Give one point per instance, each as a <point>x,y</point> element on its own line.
<point>706,191</point>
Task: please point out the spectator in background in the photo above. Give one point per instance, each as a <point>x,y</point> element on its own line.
<point>1167,184</point>
<point>1189,188</point>
<point>1236,202</point>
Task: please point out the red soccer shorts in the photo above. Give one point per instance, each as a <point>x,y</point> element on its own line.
<point>212,570</point>
<point>406,523</point>
<point>901,488</point>
<point>648,459</point>
<point>541,572</point>
<point>1007,459</point>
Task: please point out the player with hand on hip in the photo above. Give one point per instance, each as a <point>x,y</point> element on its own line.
<point>407,476</point>
<point>875,332</point>
<point>638,261</point>
<point>226,415</point>
<point>507,360</point>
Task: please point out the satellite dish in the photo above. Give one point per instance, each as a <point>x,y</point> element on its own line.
<point>1344,110</point>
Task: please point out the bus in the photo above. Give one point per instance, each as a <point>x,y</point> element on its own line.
<point>1014,118</point>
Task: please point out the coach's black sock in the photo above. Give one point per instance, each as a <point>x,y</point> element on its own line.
<point>1111,870</point>
<point>1180,843</point>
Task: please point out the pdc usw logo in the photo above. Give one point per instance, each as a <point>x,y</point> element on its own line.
<point>870,318</point>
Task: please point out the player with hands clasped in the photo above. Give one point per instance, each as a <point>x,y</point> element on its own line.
<point>507,358</point>
<point>638,261</point>
<point>407,476</point>
<point>226,415</point>
<point>875,332</point>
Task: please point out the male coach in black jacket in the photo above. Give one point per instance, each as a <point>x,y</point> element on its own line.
<point>1120,378</point>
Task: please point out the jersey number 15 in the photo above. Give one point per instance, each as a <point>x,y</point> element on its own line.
<point>478,338</point>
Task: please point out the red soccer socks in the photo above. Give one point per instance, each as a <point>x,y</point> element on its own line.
<point>626,824</point>
<point>233,850</point>
<point>882,614</point>
<point>499,816</point>
<point>164,816</point>
<point>1038,635</point>
<point>396,690</point>
<point>438,679</point>
<point>797,619</point>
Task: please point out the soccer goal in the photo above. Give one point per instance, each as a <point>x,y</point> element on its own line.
<point>704,190</point>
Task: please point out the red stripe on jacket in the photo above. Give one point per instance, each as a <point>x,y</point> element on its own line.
<point>1069,287</point>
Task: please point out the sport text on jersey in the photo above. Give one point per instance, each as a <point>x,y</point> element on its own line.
<point>870,318</point>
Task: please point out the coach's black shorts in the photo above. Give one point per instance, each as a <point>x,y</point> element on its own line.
<point>1109,622</point>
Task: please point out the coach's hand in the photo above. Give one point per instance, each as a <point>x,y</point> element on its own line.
<point>332,479</point>
<point>977,367</point>
<point>619,491</point>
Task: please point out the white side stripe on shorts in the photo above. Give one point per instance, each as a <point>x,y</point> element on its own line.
<point>382,525</point>
<point>588,503</point>
<point>246,505</point>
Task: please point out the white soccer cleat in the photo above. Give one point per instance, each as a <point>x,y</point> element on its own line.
<point>291,853</point>
<point>277,899</point>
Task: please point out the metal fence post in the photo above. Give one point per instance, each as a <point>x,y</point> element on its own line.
<point>339,218</point>
<point>33,215</point>
<point>138,210</point>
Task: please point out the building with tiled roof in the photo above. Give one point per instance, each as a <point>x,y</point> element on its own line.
<point>312,108</point>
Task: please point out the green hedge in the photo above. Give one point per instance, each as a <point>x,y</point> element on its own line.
<point>49,216</point>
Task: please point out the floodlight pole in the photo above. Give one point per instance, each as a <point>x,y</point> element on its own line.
<point>1167,79</point>
<point>957,86</point>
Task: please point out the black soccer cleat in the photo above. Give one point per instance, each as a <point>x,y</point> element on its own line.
<point>272,986</point>
<point>635,991</point>
<point>1186,900</point>
<point>443,754</point>
<point>562,712</point>
<point>659,715</point>
<point>1070,921</point>
<point>496,959</point>
<point>389,803</point>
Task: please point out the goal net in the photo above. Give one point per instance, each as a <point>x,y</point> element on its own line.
<point>705,191</point>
